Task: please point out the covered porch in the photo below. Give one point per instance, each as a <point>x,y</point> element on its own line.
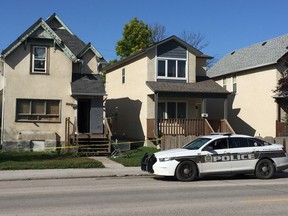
<point>181,109</point>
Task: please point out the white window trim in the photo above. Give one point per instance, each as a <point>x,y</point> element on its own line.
<point>234,82</point>
<point>224,82</point>
<point>166,107</point>
<point>166,69</point>
<point>33,60</point>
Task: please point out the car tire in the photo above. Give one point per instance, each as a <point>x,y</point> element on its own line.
<point>186,171</point>
<point>265,169</point>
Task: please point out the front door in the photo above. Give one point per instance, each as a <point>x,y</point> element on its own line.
<point>83,115</point>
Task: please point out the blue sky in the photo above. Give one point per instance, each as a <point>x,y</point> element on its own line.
<point>226,24</point>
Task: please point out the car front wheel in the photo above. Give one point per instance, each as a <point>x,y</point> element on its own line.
<point>264,169</point>
<point>186,171</point>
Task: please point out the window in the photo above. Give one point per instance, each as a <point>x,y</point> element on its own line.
<point>39,59</point>
<point>171,110</point>
<point>224,83</point>
<point>219,144</point>
<point>123,75</point>
<point>171,68</point>
<point>38,110</point>
<point>234,79</point>
<point>238,142</point>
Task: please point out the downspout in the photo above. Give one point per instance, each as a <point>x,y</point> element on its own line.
<point>3,99</point>
<point>226,108</point>
<point>156,129</point>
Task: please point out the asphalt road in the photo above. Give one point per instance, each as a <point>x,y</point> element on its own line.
<point>146,196</point>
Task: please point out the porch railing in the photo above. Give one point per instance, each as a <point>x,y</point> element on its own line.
<point>107,130</point>
<point>281,129</point>
<point>196,127</point>
<point>71,132</point>
<point>221,126</point>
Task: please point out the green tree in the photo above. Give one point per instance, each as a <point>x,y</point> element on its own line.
<point>136,36</point>
<point>282,87</point>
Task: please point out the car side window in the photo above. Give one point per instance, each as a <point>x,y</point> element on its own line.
<point>257,142</point>
<point>219,144</point>
<point>238,142</point>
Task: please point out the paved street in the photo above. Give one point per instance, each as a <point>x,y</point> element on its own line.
<point>135,195</point>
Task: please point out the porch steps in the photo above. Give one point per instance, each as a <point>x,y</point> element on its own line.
<point>93,144</point>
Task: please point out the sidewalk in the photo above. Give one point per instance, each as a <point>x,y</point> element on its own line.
<point>112,169</point>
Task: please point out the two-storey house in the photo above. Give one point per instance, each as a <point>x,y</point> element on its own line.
<point>251,74</point>
<point>161,90</point>
<point>51,85</point>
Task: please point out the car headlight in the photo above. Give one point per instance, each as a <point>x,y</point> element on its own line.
<point>166,159</point>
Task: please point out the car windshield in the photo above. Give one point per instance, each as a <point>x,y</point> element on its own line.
<point>196,144</point>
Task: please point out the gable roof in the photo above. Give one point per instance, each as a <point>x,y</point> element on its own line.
<point>258,55</point>
<point>40,23</point>
<point>62,35</point>
<point>193,50</point>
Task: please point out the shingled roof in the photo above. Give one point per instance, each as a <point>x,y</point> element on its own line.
<point>87,85</point>
<point>258,55</point>
<point>204,87</point>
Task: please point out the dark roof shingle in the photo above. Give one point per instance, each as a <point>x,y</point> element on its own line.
<point>257,55</point>
<point>87,85</point>
<point>204,87</point>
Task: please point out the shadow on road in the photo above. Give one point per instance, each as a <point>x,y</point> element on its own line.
<point>282,174</point>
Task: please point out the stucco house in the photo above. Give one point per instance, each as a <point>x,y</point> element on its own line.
<point>162,90</point>
<point>51,88</point>
<point>251,74</point>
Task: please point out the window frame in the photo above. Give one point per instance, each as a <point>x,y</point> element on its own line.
<point>166,72</point>
<point>224,82</point>
<point>123,76</point>
<point>33,59</point>
<point>176,109</point>
<point>234,83</point>
<point>32,116</point>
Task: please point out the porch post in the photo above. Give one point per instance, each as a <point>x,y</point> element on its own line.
<point>203,106</point>
<point>156,115</point>
<point>225,108</point>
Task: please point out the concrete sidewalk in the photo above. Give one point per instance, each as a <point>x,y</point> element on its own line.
<point>112,169</point>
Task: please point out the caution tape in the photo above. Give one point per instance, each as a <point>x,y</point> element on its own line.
<point>113,143</point>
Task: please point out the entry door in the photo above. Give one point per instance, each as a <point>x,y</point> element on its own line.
<point>83,115</point>
<point>216,157</point>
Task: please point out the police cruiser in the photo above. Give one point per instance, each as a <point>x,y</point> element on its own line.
<point>218,154</point>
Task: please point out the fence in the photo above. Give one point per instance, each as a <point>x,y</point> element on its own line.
<point>170,142</point>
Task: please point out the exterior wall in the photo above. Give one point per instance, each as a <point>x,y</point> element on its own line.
<point>191,68</point>
<point>127,103</point>
<point>21,84</point>
<point>252,109</point>
<point>90,63</point>
<point>201,66</point>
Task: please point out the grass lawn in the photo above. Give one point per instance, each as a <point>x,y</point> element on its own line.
<point>133,157</point>
<point>43,160</point>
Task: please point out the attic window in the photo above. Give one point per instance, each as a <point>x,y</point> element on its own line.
<point>264,43</point>
<point>232,52</point>
<point>39,59</point>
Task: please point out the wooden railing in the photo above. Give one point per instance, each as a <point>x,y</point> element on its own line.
<point>71,132</point>
<point>186,127</point>
<point>221,126</point>
<point>107,130</point>
<point>281,129</point>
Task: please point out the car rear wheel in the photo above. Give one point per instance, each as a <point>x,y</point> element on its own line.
<point>186,171</point>
<point>264,169</point>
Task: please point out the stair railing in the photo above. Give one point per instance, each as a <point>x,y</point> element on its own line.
<point>107,131</point>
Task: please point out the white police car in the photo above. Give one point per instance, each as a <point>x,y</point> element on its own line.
<point>218,154</point>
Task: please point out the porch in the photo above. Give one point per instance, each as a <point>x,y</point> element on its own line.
<point>87,143</point>
<point>186,127</point>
